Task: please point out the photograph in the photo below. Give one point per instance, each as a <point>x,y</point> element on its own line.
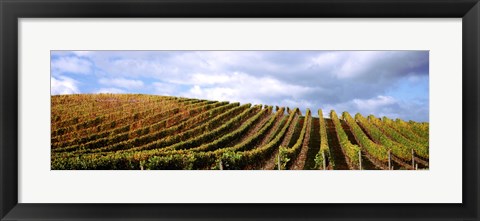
<point>239,110</point>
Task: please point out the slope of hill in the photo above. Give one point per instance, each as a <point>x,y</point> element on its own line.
<point>138,132</point>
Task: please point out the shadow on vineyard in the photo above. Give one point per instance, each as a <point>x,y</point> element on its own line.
<point>150,132</point>
<point>313,145</point>
<point>337,152</point>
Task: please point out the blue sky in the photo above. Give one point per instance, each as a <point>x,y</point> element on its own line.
<point>384,83</point>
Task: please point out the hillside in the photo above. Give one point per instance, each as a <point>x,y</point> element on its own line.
<point>134,132</point>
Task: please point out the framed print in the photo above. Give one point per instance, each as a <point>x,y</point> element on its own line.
<point>143,110</point>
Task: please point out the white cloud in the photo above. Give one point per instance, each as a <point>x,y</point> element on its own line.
<point>82,53</point>
<point>358,62</point>
<point>326,61</point>
<point>166,89</point>
<point>132,65</point>
<point>70,64</point>
<point>215,93</point>
<point>214,60</point>
<point>121,82</point>
<point>243,88</point>
<point>110,91</point>
<point>63,85</point>
<point>210,79</point>
<point>374,103</point>
<point>302,104</point>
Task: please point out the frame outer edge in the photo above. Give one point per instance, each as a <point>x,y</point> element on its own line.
<point>477,214</point>
<point>2,210</point>
<point>471,105</point>
<point>9,109</point>
<point>9,113</point>
<point>477,63</point>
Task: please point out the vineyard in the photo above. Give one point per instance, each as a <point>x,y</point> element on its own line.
<point>149,132</point>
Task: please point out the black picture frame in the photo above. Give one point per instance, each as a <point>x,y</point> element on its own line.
<point>12,10</point>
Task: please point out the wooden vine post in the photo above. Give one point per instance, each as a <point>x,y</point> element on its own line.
<point>360,159</point>
<point>220,164</point>
<point>413,160</point>
<point>389,160</point>
<point>278,160</point>
<point>324,161</point>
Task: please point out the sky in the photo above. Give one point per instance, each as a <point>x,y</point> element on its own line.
<point>383,83</point>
